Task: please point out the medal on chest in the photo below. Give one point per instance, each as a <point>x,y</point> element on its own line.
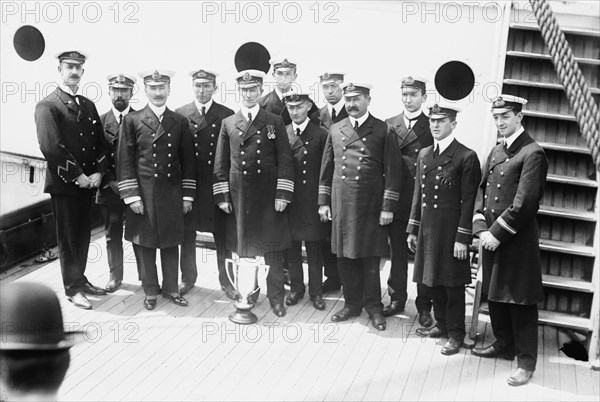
<point>270,131</point>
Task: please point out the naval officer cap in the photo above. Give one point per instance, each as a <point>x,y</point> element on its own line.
<point>295,98</point>
<point>441,110</point>
<point>203,75</point>
<point>156,77</point>
<point>121,80</point>
<point>250,78</point>
<point>331,76</point>
<point>72,57</point>
<point>282,63</point>
<point>415,82</point>
<point>355,89</point>
<point>505,103</point>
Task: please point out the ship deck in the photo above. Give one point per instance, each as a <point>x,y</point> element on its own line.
<point>196,353</point>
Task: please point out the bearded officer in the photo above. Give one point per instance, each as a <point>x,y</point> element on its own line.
<point>412,133</point>
<point>307,142</point>
<point>120,89</point>
<point>72,140</point>
<point>155,168</point>
<point>507,203</point>
<point>358,190</point>
<point>440,224</point>
<point>204,116</point>
<point>254,183</point>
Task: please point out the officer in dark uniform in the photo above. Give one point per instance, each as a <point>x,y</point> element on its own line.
<point>413,134</point>
<point>307,142</point>
<point>507,203</point>
<point>120,89</point>
<point>285,75</point>
<point>358,190</point>
<point>254,183</point>
<point>204,116</point>
<point>155,168</point>
<point>72,140</point>
<point>440,224</point>
<point>334,111</point>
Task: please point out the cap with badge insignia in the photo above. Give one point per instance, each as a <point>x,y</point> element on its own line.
<point>327,76</point>
<point>156,77</point>
<point>355,89</point>
<point>295,98</point>
<point>441,110</point>
<point>414,82</point>
<point>506,103</point>
<point>203,75</point>
<point>281,63</point>
<point>72,57</point>
<point>121,80</point>
<point>250,78</point>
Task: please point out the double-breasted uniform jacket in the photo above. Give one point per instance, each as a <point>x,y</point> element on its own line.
<point>155,162</point>
<point>325,117</point>
<point>410,143</point>
<point>108,193</point>
<point>72,140</point>
<point>271,103</point>
<point>253,168</point>
<point>307,150</point>
<point>442,213</point>
<point>507,203</point>
<point>205,133</point>
<point>360,177</point>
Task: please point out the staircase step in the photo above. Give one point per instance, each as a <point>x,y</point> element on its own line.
<point>567,213</point>
<point>561,282</point>
<point>567,248</point>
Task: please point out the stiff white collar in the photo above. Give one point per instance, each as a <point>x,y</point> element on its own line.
<point>124,112</point>
<point>253,111</point>
<point>158,111</point>
<point>445,143</point>
<point>360,120</point>
<point>510,139</point>
<point>338,107</point>
<point>301,126</point>
<point>206,105</point>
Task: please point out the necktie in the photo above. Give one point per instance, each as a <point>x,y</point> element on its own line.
<point>298,132</point>
<point>120,118</point>
<point>410,122</point>
<point>333,114</point>
<point>436,153</point>
<point>356,125</point>
<point>203,111</point>
<point>249,117</point>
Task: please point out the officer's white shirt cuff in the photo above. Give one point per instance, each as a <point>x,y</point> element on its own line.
<point>191,199</point>
<point>286,201</point>
<point>131,200</point>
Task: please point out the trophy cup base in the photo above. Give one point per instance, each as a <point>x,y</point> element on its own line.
<point>244,317</point>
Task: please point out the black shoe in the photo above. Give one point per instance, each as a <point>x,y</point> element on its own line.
<point>293,298</point>
<point>330,286</point>
<point>395,307</point>
<point>231,293</point>
<point>180,301</point>
<point>79,300</point>
<point>113,285</point>
<point>434,332</point>
<point>184,288</point>
<point>90,289</point>
<point>492,352</point>
<point>378,321</point>
<point>451,347</point>
<point>149,304</point>
<point>278,310</point>
<point>425,319</point>
<point>318,302</point>
<point>345,314</point>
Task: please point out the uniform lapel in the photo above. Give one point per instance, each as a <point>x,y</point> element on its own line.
<point>364,130</point>
<point>151,121</point>
<point>348,131</point>
<point>196,118</point>
<point>257,124</point>
<point>111,126</point>
<point>67,100</point>
<point>441,160</point>
<point>293,139</point>
<point>307,135</point>
<point>325,117</point>
<point>167,123</point>
<point>211,115</point>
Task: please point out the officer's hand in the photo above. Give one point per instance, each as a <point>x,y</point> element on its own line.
<point>225,207</point>
<point>280,205</point>
<point>386,217</point>
<point>95,180</point>
<point>488,241</point>
<point>325,213</point>
<point>460,251</point>
<point>411,242</point>
<point>137,207</point>
<point>187,206</point>
<point>83,181</point>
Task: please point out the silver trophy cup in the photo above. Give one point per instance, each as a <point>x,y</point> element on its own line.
<point>243,275</point>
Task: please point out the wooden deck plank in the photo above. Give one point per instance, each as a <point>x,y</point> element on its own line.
<point>552,381</point>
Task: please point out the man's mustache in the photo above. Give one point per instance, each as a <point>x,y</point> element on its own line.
<point>352,108</point>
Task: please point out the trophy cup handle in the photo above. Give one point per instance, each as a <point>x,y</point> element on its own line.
<point>229,270</point>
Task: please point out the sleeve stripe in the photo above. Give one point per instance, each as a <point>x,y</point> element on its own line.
<point>506,226</point>
<point>325,190</point>
<point>478,217</point>
<point>285,184</point>
<point>464,231</point>
<point>66,166</point>
<point>414,222</point>
<point>127,187</point>
<point>220,188</point>
<point>101,159</point>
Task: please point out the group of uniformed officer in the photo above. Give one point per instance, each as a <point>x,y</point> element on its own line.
<point>279,172</point>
